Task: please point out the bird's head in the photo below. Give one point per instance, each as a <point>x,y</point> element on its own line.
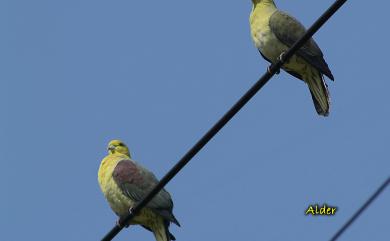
<point>264,1</point>
<point>117,146</point>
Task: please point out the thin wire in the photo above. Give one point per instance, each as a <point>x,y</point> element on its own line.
<point>361,210</point>
<point>274,68</point>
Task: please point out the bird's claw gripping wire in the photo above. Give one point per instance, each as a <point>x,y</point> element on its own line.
<point>120,224</point>
<point>120,221</point>
<point>281,59</point>
<point>269,70</point>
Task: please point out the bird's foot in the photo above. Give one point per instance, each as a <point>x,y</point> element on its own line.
<point>281,57</point>
<point>131,210</point>
<point>120,224</point>
<point>121,220</point>
<point>269,70</point>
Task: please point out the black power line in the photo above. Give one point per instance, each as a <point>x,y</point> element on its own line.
<point>274,68</point>
<point>361,210</point>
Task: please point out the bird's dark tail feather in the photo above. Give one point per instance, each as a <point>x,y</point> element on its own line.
<point>169,235</point>
<point>319,92</point>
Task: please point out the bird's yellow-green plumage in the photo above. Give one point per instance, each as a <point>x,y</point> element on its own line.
<point>122,181</point>
<point>119,203</point>
<point>274,32</point>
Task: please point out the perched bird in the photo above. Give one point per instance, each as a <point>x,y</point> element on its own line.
<point>274,32</point>
<point>124,182</point>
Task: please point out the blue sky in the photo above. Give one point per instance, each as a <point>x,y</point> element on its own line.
<point>158,74</point>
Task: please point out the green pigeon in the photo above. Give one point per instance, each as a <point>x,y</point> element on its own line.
<point>124,183</point>
<point>274,32</point>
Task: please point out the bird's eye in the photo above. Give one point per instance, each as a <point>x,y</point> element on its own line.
<point>121,144</point>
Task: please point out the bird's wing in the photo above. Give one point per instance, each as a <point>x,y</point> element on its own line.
<point>135,182</point>
<point>288,30</point>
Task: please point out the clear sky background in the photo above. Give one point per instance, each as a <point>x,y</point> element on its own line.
<point>158,74</point>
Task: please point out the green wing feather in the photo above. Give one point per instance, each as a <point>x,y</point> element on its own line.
<point>288,30</point>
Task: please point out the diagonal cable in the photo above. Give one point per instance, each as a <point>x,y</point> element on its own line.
<point>274,68</point>
<point>361,210</point>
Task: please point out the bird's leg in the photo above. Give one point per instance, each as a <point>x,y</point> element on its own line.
<point>269,70</point>
<point>120,224</point>
<point>281,57</point>
<point>131,210</point>
<point>121,220</point>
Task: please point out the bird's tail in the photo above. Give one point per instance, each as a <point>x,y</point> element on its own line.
<point>319,92</point>
<point>161,232</point>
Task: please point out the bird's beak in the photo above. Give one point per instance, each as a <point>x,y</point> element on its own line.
<point>111,148</point>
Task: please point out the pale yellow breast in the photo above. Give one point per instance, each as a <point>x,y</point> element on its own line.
<point>119,203</point>
<point>259,26</point>
<point>264,39</point>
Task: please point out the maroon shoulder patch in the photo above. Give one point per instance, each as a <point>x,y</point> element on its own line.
<point>125,172</point>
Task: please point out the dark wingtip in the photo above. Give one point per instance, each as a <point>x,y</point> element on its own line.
<point>171,237</point>
<point>331,76</point>
<point>176,222</point>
